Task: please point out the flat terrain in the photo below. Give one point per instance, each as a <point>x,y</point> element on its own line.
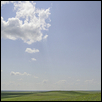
<point>51,96</point>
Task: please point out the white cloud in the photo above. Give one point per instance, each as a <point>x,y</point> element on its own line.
<point>1,70</point>
<point>89,81</point>
<point>35,77</point>
<point>44,81</point>
<point>78,80</point>
<point>61,82</point>
<point>34,23</point>
<point>4,2</point>
<point>26,74</point>
<point>29,50</point>
<point>15,73</point>
<point>45,36</point>
<point>33,59</point>
<point>18,73</point>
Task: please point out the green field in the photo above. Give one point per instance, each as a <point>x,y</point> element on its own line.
<point>51,96</point>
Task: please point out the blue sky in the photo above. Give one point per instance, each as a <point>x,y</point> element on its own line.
<point>51,45</point>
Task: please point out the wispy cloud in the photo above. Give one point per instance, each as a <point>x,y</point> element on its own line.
<point>6,2</point>
<point>18,73</point>
<point>33,59</point>
<point>45,36</point>
<point>89,81</point>
<point>34,22</point>
<point>78,80</point>
<point>29,50</point>
<point>61,82</point>
<point>35,76</point>
<point>44,81</point>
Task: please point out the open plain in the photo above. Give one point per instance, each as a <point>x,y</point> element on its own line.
<point>50,96</point>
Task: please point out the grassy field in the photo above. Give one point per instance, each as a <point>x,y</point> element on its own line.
<point>51,96</point>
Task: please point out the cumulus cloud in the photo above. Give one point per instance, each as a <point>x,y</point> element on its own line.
<point>4,2</point>
<point>33,59</point>
<point>45,36</point>
<point>44,81</point>
<point>35,77</point>
<point>34,22</point>
<point>29,50</point>
<point>78,80</point>
<point>89,81</point>
<point>18,73</point>
<point>61,82</point>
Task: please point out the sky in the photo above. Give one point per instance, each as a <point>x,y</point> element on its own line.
<point>51,45</point>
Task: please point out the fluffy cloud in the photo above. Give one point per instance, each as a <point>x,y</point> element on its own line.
<point>29,50</point>
<point>78,80</point>
<point>61,82</point>
<point>89,81</point>
<point>18,73</point>
<point>35,77</point>
<point>4,2</point>
<point>44,81</point>
<point>34,23</point>
<point>45,36</point>
<point>20,79</point>
<point>33,59</point>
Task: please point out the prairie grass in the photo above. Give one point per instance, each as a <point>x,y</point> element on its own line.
<point>51,96</point>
